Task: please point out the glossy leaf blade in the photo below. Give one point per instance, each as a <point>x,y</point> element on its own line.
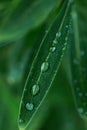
<point>45,65</point>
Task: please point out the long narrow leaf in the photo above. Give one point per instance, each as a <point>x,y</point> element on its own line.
<point>79,68</point>
<point>45,65</point>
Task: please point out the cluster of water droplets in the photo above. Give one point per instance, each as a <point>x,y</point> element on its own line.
<point>34,91</point>
<point>82,111</point>
<point>44,67</point>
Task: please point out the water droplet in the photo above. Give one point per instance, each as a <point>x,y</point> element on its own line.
<point>80,94</point>
<point>64,48</point>
<point>20,120</point>
<point>29,106</point>
<point>75,61</point>
<point>71,1</point>
<point>55,41</point>
<point>44,66</point>
<point>25,89</point>
<point>46,31</point>
<point>52,49</point>
<point>58,34</point>
<point>66,39</point>
<point>66,26</point>
<point>82,53</point>
<point>74,15</point>
<point>35,89</point>
<point>80,110</point>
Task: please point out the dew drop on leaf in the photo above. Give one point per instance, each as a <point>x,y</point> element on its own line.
<point>20,120</point>
<point>75,61</point>
<point>46,31</point>
<point>29,106</point>
<point>52,49</point>
<point>82,53</point>
<point>80,110</point>
<point>58,34</point>
<point>80,94</point>
<point>71,1</point>
<point>44,66</point>
<point>25,89</point>
<point>55,41</point>
<point>66,26</point>
<point>35,89</point>
<point>64,48</point>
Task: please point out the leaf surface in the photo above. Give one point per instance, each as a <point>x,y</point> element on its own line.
<point>45,65</point>
<point>79,64</point>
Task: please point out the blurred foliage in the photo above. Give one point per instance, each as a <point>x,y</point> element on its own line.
<point>58,109</point>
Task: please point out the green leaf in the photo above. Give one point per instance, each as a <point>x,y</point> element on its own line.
<point>79,67</point>
<point>22,16</point>
<point>45,65</point>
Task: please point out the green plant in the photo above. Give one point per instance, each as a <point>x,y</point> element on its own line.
<point>41,42</point>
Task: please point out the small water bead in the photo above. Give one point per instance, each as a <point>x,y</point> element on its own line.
<point>46,31</point>
<point>71,1</point>
<point>66,26</point>
<point>25,89</point>
<point>55,41</point>
<point>58,34</point>
<point>64,48</point>
<point>29,106</point>
<point>80,94</point>
<point>35,89</point>
<point>66,39</point>
<point>80,110</point>
<point>44,66</point>
<point>74,15</point>
<point>20,120</point>
<point>82,53</point>
<point>75,61</point>
<point>52,49</point>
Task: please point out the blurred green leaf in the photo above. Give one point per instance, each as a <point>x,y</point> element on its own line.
<point>23,16</point>
<point>79,67</point>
